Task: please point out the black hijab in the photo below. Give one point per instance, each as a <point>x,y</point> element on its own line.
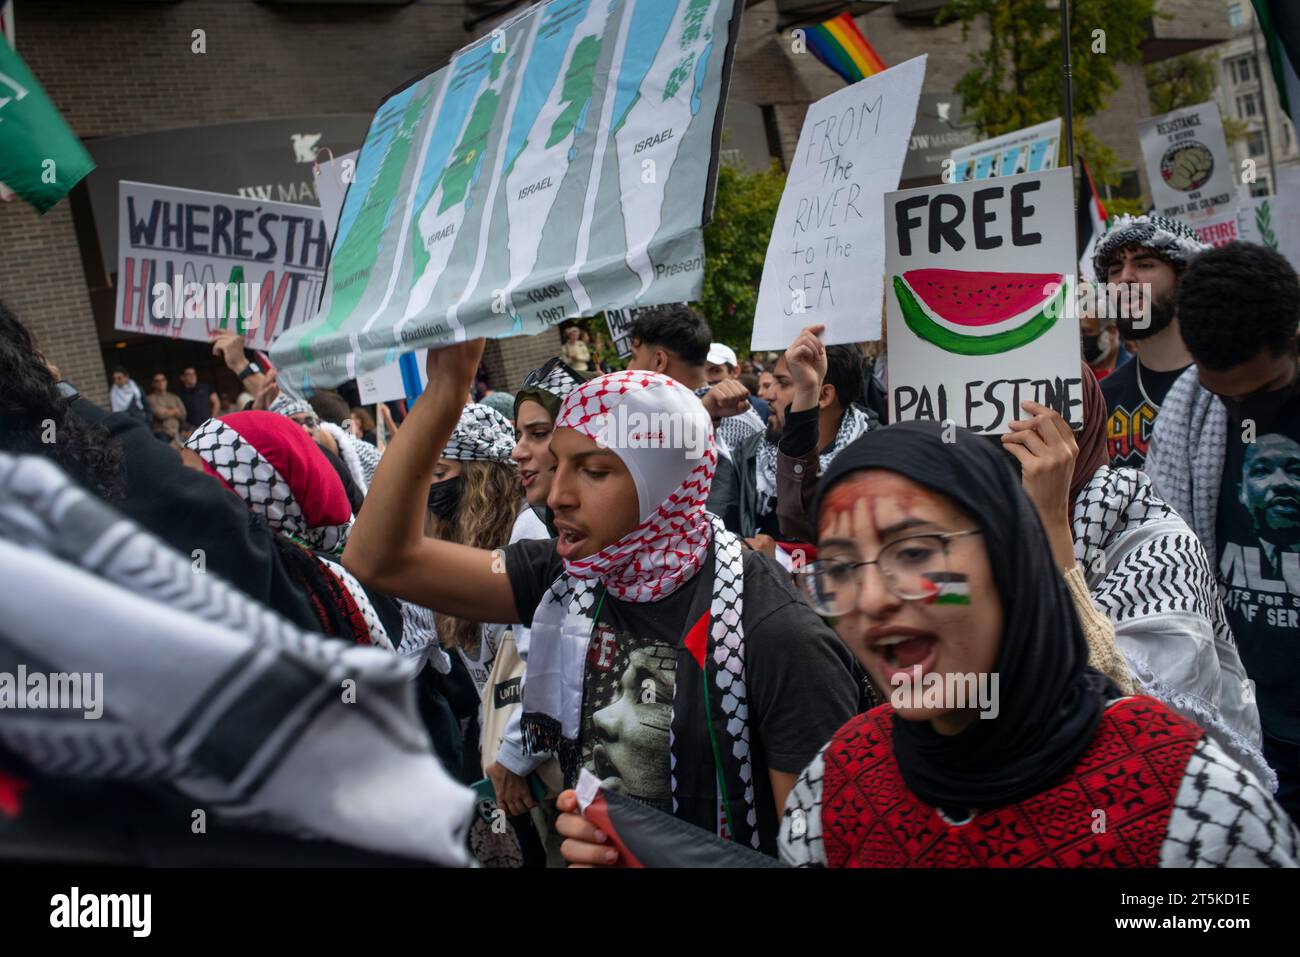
<point>1051,701</point>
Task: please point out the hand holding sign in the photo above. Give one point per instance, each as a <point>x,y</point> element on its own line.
<point>1047,450</point>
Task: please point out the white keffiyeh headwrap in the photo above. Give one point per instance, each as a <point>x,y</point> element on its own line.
<point>667,548</point>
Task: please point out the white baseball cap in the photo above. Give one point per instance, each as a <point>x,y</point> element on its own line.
<point>720,355</point>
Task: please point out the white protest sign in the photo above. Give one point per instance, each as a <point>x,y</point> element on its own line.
<point>386,384</point>
<point>1273,221</point>
<point>1188,164</point>
<point>980,278</point>
<point>826,255</point>
<point>619,322</point>
<point>332,181</point>
<point>1030,150</point>
<point>193,263</point>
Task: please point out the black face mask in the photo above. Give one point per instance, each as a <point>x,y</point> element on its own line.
<point>444,498</point>
<point>1261,407</point>
<point>1092,350</point>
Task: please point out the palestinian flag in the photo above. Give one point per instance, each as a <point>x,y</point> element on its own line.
<point>1090,223</point>
<point>41,159</point>
<point>950,588</point>
<point>645,837</point>
<point>1279,21</point>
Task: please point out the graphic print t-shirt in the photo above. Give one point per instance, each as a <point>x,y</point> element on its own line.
<point>1258,538</point>
<point>1130,419</point>
<point>799,676</point>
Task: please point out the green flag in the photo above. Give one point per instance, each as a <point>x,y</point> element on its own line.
<point>40,158</point>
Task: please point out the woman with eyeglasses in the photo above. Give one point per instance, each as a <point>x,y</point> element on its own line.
<point>999,746</point>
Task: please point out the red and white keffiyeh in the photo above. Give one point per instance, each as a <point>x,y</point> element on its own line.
<point>659,429</point>
<point>272,464</point>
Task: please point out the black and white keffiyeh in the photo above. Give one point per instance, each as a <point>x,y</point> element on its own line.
<point>288,406</point>
<point>204,690</point>
<point>853,423</point>
<point>733,429</point>
<point>1150,575</point>
<point>1171,239</point>
<point>251,473</point>
<point>482,435</point>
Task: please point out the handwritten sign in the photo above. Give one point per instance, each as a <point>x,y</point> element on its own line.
<point>1188,163</point>
<point>193,263</point>
<point>620,323</point>
<point>979,280</point>
<point>826,255</point>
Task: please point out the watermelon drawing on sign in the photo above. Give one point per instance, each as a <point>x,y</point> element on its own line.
<point>978,299</point>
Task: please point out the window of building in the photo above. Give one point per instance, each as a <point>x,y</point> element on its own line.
<point>1255,143</point>
<point>1240,70</point>
<point>1259,187</point>
<point>1246,106</point>
<point>1236,16</point>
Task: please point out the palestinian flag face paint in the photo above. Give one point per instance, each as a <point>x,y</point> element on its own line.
<point>949,588</point>
<point>979,313</point>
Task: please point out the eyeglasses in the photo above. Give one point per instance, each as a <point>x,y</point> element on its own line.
<point>913,568</point>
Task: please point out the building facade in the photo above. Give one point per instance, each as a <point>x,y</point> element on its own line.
<point>134,67</point>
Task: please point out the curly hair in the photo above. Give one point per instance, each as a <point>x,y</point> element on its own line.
<point>489,495</point>
<point>34,417</point>
<point>1237,301</point>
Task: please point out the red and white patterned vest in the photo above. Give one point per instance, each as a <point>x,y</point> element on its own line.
<point>1131,771</point>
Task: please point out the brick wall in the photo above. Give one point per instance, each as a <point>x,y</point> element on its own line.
<point>127,67</point>
<point>120,68</point>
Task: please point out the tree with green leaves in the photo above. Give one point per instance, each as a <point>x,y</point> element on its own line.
<point>735,246</point>
<point>1016,80</point>
<point>1186,81</point>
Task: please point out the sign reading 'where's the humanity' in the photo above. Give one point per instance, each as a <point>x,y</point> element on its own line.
<point>192,264</point>
<point>978,279</point>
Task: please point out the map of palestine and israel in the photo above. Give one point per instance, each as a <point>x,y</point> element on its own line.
<point>560,165</point>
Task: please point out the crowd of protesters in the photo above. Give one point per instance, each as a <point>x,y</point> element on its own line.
<point>541,595</point>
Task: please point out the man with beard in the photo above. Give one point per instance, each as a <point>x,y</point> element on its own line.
<point>1146,254</point>
<point>1226,455</point>
<point>812,417</point>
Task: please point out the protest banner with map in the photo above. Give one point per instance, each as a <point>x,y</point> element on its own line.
<point>980,276</point>
<point>1188,164</point>
<point>561,165</point>
<point>826,253</point>
<point>192,263</point>
<point>1030,150</point>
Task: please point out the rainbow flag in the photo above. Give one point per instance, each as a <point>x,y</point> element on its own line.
<point>841,46</point>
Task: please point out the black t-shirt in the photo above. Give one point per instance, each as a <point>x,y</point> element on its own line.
<point>1130,418</point>
<point>1257,533</point>
<point>198,403</point>
<point>799,677</point>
